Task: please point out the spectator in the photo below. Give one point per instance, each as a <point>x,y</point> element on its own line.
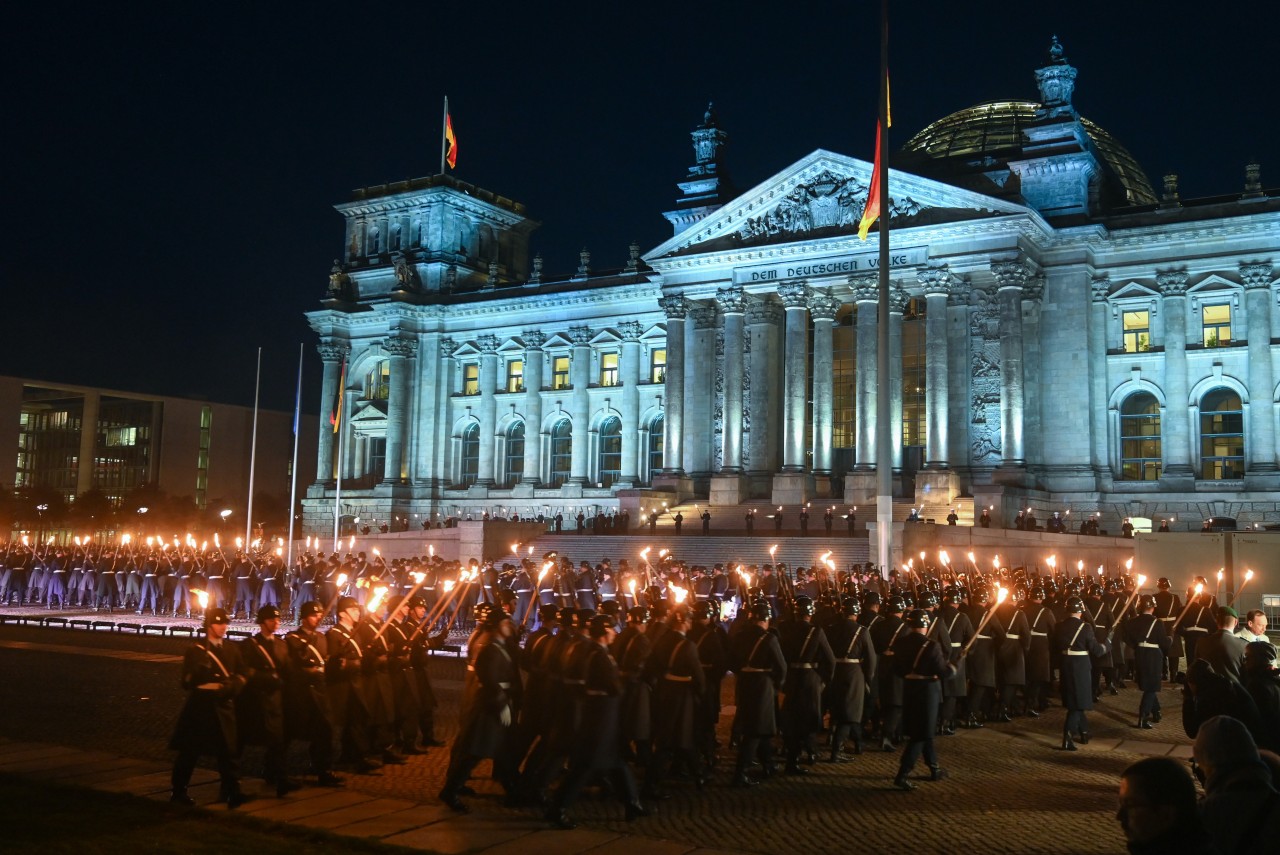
<point>1158,809</point>
<point>1255,626</point>
<point>1262,681</point>
<point>1241,808</point>
<point>1223,649</point>
<point>1207,694</point>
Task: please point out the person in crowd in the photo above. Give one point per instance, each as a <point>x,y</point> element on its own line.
<point>1241,807</point>
<point>1157,810</point>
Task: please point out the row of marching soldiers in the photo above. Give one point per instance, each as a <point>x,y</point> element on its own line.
<point>359,694</point>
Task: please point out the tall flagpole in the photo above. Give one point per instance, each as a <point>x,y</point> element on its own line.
<point>293,485</point>
<point>884,442</point>
<point>444,126</point>
<point>253,455</point>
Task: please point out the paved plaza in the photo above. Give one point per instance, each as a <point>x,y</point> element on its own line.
<point>96,708</point>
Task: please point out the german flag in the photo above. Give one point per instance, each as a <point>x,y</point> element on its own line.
<point>335,414</point>
<point>451,143</point>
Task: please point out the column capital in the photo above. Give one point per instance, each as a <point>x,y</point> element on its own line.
<point>581,336</point>
<point>630,330</point>
<point>675,306</point>
<point>487,343</point>
<point>732,299</point>
<point>704,317</point>
<point>824,306</point>
<point>866,287</point>
<point>794,294</point>
<point>1256,274</point>
<point>1012,273</point>
<point>333,351</point>
<point>936,279</point>
<point>763,312</point>
<point>898,298</point>
<point>447,347</point>
<point>1033,290</point>
<point>533,339</point>
<point>1172,283</point>
<point>1100,288</point>
<point>402,347</point>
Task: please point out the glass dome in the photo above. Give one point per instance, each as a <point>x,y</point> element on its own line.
<point>995,129</point>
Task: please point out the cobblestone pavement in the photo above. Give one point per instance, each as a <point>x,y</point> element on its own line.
<point>1011,791</point>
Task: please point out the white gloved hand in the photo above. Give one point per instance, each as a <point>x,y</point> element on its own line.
<point>505,716</point>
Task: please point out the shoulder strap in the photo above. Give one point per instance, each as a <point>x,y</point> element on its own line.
<point>759,641</point>
<point>1077,635</point>
<point>208,649</point>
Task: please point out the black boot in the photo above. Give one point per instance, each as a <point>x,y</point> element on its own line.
<point>902,783</point>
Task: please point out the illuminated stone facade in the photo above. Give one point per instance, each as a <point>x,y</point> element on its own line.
<point>1061,337</point>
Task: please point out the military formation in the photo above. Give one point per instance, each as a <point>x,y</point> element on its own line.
<point>579,673</point>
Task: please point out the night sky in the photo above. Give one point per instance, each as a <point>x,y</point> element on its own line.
<point>172,168</point>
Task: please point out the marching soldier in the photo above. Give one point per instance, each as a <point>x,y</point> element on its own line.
<point>676,672</point>
<point>810,664</point>
<point>855,668</point>
<point>261,704</point>
<point>1145,633</point>
<point>1012,652</point>
<point>344,670</point>
<point>379,688</point>
<point>713,652</point>
<point>212,676</point>
<point>955,688</point>
<point>1077,644</point>
<point>306,696</point>
<point>631,651</point>
<point>980,664</point>
<point>1168,607</point>
<point>884,634</point>
<point>760,668</point>
<point>922,663</point>
<point>1040,624</point>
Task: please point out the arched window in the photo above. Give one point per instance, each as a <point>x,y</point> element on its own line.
<point>377,383</point>
<point>610,458</point>
<point>515,454</point>
<point>1221,436</point>
<point>655,446</point>
<point>1140,438</point>
<point>561,452</point>
<point>469,465</point>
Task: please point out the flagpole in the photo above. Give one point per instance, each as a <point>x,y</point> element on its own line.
<point>342,445</point>
<point>444,125</point>
<point>884,442</point>
<point>253,455</point>
<point>293,485</point>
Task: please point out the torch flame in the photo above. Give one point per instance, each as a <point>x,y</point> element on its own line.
<point>279,552</point>
<point>995,562</point>
<point>1001,594</point>
<point>1080,565</point>
<point>202,597</point>
<point>1199,589</point>
<point>1099,569</point>
<point>772,550</point>
<point>1220,572</point>
<point>124,538</point>
<point>678,594</point>
<point>1128,564</point>
<point>217,542</point>
<point>1248,574</point>
<point>546,568</point>
<point>1142,580</point>
<point>239,543</point>
<point>351,543</point>
<point>77,540</point>
<point>448,585</point>
<point>944,558</point>
<point>376,599</point>
<point>972,560</point>
<point>342,579</point>
<point>419,577</point>
<point>151,541</point>
<point>631,585</point>
<point>431,551</point>
<point>1052,561</point>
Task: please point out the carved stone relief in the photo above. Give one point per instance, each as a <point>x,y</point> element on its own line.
<point>984,372</point>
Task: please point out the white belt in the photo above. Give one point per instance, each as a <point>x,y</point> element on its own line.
<point>597,693</point>
<point>1012,635</point>
<point>803,665</point>
<point>1195,629</point>
<point>920,677</point>
<point>1075,653</point>
<point>987,637</point>
<point>855,661</point>
<point>1167,618</point>
<point>955,644</point>
<point>504,685</point>
<point>1148,644</point>
<point>1038,634</point>
<point>753,670</point>
<point>677,679</point>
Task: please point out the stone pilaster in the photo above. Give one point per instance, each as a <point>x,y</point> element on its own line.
<point>488,345</point>
<point>533,359</point>
<point>897,305</point>
<point>1260,447</point>
<point>630,370</point>
<point>824,308</point>
<point>937,287</point>
<point>1099,381</point>
<point>1175,425</point>
<point>764,401</point>
<point>732,303</point>
<point>1011,277</point>
<point>865,296</point>
<point>331,355</point>
<point>1032,424</point>
<point>399,405</point>
<point>699,391</point>
<point>795,302</point>
<point>677,309</point>
<point>580,406</point>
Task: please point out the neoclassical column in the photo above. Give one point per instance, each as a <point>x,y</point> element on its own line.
<point>1175,428</point>
<point>1099,381</point>
<point>937,287</point>
<point>866,289</point>
<point>676,309</point>
<point>399,403</point>
<point>1032,424</point>
<point>580,406</point>
<point>732,304</point>
<point>332,355</point>
<point>824,307</point>
<point>488,377</point>
<point>629,368</point>
<point>533,341</point>
<point>795,303</point>
<point>699,390</point>
<point>1260,447</point>
<point>897,303</point>
<point>764,401</point>
<point>1010,277</point>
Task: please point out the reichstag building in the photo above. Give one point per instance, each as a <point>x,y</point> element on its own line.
<point>1063,336</point>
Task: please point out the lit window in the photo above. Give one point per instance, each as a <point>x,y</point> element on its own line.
<point>377,449</point>
<point>608,369</point>
<point>560,372</point>
<point>469,467</point>
<point>561,452</point>
<point>655,446</point>
<point>658,365</point>
<point>1140,438</point>
<point>1221,436</point>
<point>1137,332</point>
<point>122,436</point>
<point>610,458</point>
<point>515,375</point>
<point>471,379</point>
<point>377,383</point>
<point>515,454</point>
<point>1217,325</point>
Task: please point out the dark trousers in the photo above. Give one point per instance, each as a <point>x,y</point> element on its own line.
<point>228,769</point>
<point>1149,705</point>
<point>910,754</point>
<point>580,774</point>
<point>759,748</point>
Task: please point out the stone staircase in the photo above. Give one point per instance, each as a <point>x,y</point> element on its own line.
<point>693,548</point>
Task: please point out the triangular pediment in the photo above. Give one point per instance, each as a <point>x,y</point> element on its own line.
<point>1134,289</point>
<point>824,195</point>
